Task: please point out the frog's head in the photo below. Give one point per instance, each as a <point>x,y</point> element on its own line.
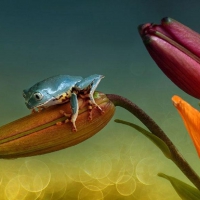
<point>36,97</point>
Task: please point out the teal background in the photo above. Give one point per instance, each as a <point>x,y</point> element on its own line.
<point>39,39</point>
<point>44,38</point>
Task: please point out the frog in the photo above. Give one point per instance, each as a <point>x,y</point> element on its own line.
<point>60,89</point>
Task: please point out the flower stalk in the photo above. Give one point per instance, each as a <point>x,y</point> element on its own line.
<point>176,157</point>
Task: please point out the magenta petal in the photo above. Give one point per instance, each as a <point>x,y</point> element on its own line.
<point>176,50</point>
<point>177,66</point>
<point>182,35</point>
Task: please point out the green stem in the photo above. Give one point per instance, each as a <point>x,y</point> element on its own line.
<point>177,158</point>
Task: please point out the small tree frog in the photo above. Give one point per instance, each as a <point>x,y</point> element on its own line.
<point>60,89</point>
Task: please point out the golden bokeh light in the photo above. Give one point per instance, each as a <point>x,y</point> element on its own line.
<point>34,175</point>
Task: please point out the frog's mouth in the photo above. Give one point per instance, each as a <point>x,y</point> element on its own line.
<point>40,105</point>
<point>46,104</point>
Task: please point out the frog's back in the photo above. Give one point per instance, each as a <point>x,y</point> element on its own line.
<point>56,85</point>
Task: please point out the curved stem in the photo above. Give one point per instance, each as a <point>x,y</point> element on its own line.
<point>177,158</point>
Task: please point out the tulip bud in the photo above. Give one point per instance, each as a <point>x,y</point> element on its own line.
<point>38,133</point>
<point>176,50</point>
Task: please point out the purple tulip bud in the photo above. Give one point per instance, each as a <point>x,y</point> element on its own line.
<point>176,50</point>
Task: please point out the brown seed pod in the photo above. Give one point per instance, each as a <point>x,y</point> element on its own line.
<point>38,133</point>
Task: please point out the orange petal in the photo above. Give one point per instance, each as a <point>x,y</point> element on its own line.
<point>191,119</point>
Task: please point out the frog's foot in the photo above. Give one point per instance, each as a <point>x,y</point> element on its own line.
<point>91,106</point>
<point>74,129</point>
<point>98,107</point>
<point>69,119</point>
<point>35,110</point>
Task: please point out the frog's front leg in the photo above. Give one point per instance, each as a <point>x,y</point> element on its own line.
<point>92,82</point>
<point>75,107</point>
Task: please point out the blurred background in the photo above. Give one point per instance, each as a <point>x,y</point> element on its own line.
<point>40,39</point>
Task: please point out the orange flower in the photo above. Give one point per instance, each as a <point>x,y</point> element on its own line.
<point>191,119</point>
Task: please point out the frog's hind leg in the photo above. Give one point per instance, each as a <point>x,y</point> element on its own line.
<point>94,85</point>
<point>87,102</point>
<point>92,82</point>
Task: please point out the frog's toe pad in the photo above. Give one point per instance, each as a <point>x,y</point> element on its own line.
<point>74,129</point>
<point>99,108</point>
<point>33,111</point>
<point>90,116</point>
<point>66,121</point>
<point>69,119</point>
<point>62,112</point>
<point>58,123</point>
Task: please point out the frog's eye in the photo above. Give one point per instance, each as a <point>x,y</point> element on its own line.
<point>38,96</point>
